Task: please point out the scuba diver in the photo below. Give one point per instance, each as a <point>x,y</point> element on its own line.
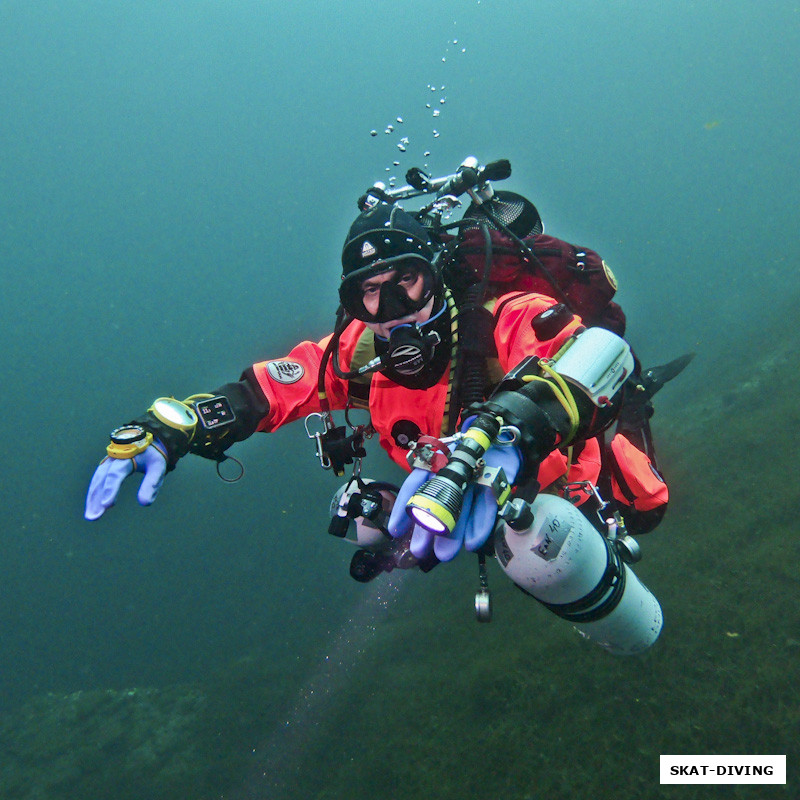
<point>496,390</point>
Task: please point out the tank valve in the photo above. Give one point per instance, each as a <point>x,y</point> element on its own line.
<point>517,514</point>
<point>628,548</point>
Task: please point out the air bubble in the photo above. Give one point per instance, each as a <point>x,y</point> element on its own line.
<point>373,133</point>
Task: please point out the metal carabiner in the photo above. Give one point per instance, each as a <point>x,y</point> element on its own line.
<point>575,487</point>
<point>366,429</point>
<point>327,423</point>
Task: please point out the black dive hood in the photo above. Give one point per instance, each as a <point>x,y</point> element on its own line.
<point>386,239</point>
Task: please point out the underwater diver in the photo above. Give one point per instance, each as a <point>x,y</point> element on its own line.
<point>489,401</point>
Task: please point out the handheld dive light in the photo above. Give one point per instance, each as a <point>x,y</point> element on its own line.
<point>437,504</point>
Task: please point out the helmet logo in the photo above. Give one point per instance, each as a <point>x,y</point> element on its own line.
<point>368,249</point>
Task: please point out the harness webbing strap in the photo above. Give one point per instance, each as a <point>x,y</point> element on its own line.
<point>448,421</point>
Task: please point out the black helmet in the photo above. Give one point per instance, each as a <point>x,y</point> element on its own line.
<point>516,212</point>
<point>380,239</point>
<point>383,232</point>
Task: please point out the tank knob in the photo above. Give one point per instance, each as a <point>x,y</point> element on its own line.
<point>483,606</point>
<point>517,514</point>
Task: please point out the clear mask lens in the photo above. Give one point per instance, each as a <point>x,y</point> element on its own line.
<point>388,291</point>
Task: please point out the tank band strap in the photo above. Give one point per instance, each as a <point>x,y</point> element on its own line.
<point>602,600</point>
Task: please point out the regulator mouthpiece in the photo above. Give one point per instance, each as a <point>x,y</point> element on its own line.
<point>410,348</point>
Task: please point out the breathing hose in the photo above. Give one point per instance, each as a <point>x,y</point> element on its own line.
<point>476,326</point>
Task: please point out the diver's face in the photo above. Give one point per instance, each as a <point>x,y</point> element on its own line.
<point>410,280</point>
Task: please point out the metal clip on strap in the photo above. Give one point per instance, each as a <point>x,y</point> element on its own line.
<point>323,457</point>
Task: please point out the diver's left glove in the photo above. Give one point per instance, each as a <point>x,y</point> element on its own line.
<point>132,449</point>
<point>480,510</point>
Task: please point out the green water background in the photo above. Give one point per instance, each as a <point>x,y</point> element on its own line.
<point>175,184</point>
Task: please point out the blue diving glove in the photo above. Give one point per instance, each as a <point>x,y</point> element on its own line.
<point>399,521</point>
<point>479,516</point>
<point>423,541</point>
<point>111,472</point>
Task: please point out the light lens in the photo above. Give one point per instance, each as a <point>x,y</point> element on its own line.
<point>424,518</point>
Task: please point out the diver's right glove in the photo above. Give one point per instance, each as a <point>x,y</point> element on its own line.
<point>132,449</point>
<point>475,522</point>
<point>423,544</point>
<point>203,424</point>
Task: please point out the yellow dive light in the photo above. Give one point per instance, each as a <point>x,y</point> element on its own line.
<point>437,505</point>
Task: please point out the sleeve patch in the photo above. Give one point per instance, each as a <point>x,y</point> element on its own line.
<point>285,371</point>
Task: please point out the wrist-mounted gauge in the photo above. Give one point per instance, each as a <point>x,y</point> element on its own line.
<point>175,414</point>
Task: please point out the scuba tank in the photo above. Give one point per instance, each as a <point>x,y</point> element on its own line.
<point>359,513</point>
<point>571,568</point>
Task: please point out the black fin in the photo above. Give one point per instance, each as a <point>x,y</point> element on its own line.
<point>655,377</point>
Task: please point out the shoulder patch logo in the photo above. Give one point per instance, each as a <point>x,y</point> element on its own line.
<point>610,276</point>
<point>368,249</point>
<point>285,371</point>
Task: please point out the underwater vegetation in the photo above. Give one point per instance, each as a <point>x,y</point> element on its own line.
<point>438,706</point>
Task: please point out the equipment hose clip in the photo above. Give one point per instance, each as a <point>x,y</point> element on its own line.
<point>327,425</point>
<point>574,489</point>
<point>335,448</point>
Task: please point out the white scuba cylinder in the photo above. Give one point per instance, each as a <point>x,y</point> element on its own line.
<point>569,566</point>
<point>362,531</point>
<point>360,511</point>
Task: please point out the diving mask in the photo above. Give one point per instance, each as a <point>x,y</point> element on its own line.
<point>388,289</point>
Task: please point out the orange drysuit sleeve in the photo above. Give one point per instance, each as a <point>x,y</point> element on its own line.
<point>290,383</point>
